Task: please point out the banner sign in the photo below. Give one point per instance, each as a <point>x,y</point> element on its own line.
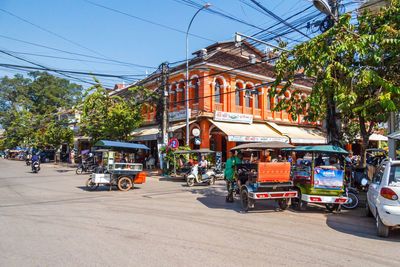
<point>178,115</point>
<point>328,179</point>
<point>233,117</point>
<point>233,138</point>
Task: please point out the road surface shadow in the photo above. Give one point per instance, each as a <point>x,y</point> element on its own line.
<point>61,171</point>
<point>355,223</point>
<point>214,197</point>
<point>172,179</point>
<point>105,188</point>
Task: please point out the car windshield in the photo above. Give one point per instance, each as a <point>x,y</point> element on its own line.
<point>394,176</point>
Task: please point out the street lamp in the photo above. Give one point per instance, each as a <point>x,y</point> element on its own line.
<point>323,7</point>
<point>187,72</point>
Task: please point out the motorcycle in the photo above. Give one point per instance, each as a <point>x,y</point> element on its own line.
<point>36,166</point>
<point>353,200</point>
<point>218,172</point>
<point>84,167</point>
<point>200,175</point>
<point>27,161</point>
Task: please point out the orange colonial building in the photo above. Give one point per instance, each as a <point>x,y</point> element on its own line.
<point>229,102</point>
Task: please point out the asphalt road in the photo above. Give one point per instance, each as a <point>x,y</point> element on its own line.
<point>49,219</point>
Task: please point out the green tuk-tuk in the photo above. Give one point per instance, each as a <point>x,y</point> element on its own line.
<point>319,176</point>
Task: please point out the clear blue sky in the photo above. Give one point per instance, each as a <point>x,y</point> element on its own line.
<point>112,35</point>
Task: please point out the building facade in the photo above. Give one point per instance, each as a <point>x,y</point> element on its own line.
<point>229,102</point>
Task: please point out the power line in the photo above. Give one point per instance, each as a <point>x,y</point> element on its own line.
<point>77,54</point>
<point>273,15</point>
<point>33,63</point>
<point>66,71</point>
<point>51,32</point>
<point>146,20</point>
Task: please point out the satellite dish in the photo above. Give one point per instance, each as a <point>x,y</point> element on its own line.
<point>322,6</point>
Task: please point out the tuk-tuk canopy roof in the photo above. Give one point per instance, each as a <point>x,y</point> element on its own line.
<point>263,146</point>
<point>202,150</point>
<point>324,148</point>
<point>106,143</point>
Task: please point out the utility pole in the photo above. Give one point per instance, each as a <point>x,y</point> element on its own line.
<point>164,97</point>
<point>162,110</point>
<point>333,124</point>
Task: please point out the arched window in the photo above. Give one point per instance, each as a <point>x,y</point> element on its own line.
<point>247,98</point>
<point>217,91</point>
<point>183,94</point>
<point>237,96</point>
<point>174,96</point>
<point>196,91</point>
<point>256,99</point>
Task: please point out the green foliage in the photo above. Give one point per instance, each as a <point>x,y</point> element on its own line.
<point>29,107</point>
<point>113,117</point>
<point>355,65</point>
<point>169,157</point>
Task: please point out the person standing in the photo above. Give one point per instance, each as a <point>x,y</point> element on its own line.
<point>230,173</point>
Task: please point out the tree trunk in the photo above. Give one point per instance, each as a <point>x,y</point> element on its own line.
<point>365,134</point>
<point>334,135</point>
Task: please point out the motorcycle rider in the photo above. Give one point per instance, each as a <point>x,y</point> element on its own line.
<point>35,157</point>
<point>229,174</point>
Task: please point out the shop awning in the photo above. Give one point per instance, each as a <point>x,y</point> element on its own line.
<point>301,135</point>
<point>377,137</point>
<point>151,132</point>
<point>107,143</point>
<point>256,132</point>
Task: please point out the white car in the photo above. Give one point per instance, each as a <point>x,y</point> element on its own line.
<point>383,197</point>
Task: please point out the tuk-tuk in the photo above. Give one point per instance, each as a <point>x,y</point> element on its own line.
<point>258,178</point>
<point>117,166</point>
<point>319,176</point>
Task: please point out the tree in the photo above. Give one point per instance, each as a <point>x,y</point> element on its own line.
<point>28,106</point>
<point>113,117</point>
<point>354,68</point>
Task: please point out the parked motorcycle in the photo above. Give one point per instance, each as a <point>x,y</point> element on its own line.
<point>36,166</point>
<point>353,200</point>
<point>200,175</point>
<point>218,172</point>
<point>84,167</point>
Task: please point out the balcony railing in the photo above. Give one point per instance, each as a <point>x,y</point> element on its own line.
<point>257,112</point>
<point>237,109</point>
<point>219,106</point>
<point>248,110</point>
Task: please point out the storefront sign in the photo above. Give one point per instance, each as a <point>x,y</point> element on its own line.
<point>328,179</point>
<point>233,117</point>
<point>178,115</point>
<point>233,138</point>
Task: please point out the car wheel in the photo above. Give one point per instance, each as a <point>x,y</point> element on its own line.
<point>383,230</point>
<point>368,212</point>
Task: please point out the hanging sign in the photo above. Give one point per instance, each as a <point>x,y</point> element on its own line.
<point>233,117</point>
<point>178,115</point>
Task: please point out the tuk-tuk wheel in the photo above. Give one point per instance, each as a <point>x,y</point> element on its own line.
<point>124,183</point>
<point>283,203</point>
<point>247,203</point>
<point>90,185</point>
<point>190,181</point>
